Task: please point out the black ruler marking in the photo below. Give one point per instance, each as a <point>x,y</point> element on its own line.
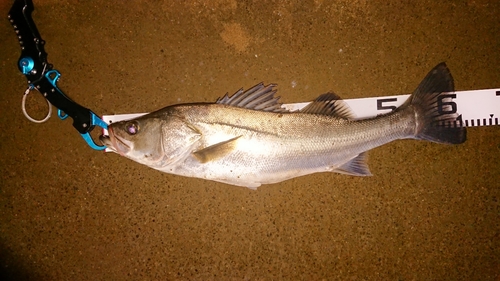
<point>473,122</point>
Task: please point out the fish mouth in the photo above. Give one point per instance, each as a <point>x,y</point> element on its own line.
<point>114,142</point>
<point>106,141</point>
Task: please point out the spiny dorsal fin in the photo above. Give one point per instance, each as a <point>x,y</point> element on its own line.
<point>259,97</point>
<point>329,104</point>
<point>216,151</point>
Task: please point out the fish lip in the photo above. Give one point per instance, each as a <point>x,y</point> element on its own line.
<point>114,142</point>
<point>106,141</point>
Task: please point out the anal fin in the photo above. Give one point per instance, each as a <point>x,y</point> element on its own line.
<point>357,166</point>
<point>215,151</point>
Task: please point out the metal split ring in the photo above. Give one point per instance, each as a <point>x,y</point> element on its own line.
<point>23,106</point>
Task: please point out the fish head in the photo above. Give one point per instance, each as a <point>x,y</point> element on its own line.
<point>139,139</point>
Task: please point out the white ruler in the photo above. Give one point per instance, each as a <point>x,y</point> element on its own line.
<point>476,107</point>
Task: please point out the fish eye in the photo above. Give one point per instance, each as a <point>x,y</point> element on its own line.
<point>132,128</point>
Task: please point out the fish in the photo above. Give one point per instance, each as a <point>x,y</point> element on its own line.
<point>248,139</point>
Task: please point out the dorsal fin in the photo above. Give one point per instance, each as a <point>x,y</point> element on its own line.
<point>259,97</point>
<point>329,104</point>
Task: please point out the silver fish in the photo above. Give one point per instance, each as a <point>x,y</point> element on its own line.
<point>248,139</point>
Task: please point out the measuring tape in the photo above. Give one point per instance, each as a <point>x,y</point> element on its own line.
<point>475,108</point>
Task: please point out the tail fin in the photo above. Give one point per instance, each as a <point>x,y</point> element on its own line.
<point>437,119</point>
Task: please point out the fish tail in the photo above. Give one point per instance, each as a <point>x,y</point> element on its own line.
<point>436,114</point>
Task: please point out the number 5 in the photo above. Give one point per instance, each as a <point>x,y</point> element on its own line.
<point>380,106</point>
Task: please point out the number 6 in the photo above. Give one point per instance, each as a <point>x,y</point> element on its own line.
<point>443,105</point>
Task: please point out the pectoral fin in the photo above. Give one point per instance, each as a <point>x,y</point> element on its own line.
<point>216,151</point>
<point>355,167</point>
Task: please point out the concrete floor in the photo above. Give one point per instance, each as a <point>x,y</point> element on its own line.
<point>67,212</point>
